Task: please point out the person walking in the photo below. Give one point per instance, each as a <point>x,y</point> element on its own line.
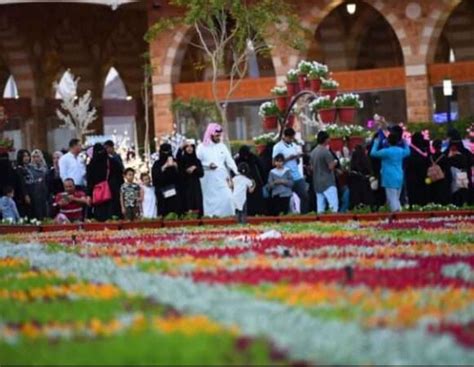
<point>165,176</point>
<point>324,179</point>
<point>191,171</point>
<point>293,154</point>
<point>255,202</point>
<point>392,168</point>
<point>217,162</point>
<point>242,185</point>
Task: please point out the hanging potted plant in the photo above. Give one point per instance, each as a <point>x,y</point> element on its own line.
<point>329,87</point>
<point>269,113</point>
<point>263,140</point>
<point>317,72</point>
<point>6,145</point>
<point>304,67</point>
<point>324,106</point>
<point>358,135</point>
<point>347,105</point>
<point>337,135</point>
<point>292,82</point>
<point>281,99</point>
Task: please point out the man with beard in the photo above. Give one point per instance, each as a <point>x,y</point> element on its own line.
<point>217,162</point>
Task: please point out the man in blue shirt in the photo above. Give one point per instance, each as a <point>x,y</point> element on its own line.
<point>292,154</point>
<point>392,168</point>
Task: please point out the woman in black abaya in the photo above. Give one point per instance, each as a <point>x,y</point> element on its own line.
<point>165,177</point>
<point>190,169</point>
<point>99,167</point>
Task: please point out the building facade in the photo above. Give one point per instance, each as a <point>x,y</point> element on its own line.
<point>394,53</point>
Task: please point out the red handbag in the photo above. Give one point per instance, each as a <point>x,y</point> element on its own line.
<point>101,192</point>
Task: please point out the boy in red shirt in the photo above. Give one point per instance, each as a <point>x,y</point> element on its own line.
<point>71,203</point>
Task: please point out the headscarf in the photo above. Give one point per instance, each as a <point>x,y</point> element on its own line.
<point>42,164</point>
<point>57,153</point>
<point>166,150</point>
<point>211,130</point>
<point>185,159</point>
<point>97,167</point>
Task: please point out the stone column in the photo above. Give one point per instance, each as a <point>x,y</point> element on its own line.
<point>418,95</point>
<point>163,117</point>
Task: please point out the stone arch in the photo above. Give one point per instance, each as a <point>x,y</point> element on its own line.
<point>17,58</point>
<point>318,15</point>
<point>73,54</point>
<point>457,34</point>
<point>123,52</point>
<point>434,26</point>
<point>285,58</point>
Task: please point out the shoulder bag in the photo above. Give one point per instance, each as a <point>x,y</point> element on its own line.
<point>101,192</point>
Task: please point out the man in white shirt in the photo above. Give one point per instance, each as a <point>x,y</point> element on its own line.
<point>217,162</point>
<point>72,166</point>
<point>293,154</point>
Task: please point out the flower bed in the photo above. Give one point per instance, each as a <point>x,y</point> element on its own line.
<point>388,291</point>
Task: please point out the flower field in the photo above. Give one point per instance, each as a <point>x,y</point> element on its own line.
<point>285,294</point>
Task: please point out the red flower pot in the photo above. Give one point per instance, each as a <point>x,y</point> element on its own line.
<point>346,114</point>
<point>302,81</point>
<point>270,122</point>
<point>327,115</point>
<point>292,88</point>
<point>336,144</point>
<point>315,85</point>
<point>260,148</point>
<point>282,102</point>
<point>355,141</point>
<point>329,92</point>
<point>290,122</point>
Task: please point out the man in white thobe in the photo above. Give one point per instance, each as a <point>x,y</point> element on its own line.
<point>215,184</point>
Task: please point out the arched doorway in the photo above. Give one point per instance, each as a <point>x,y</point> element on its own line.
<point>360,38</point>
<point>455,45</point>
<point>119,109</point>
<point>12,127</point>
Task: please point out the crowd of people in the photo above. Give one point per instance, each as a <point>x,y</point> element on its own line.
<point>208,181</point>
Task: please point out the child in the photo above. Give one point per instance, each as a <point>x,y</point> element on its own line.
<point>130,196</point>
<point>280,184</point>
<point>241,185</point>
<point>8,207</point>
<point>148,197</point>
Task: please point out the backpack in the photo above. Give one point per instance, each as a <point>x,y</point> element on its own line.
<point>460,180</point>
<point>435,173</point>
